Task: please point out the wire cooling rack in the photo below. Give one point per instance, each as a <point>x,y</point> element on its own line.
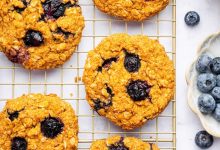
<point>66,81</point>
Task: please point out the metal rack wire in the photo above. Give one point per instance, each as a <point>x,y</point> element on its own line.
<point>66,81</point>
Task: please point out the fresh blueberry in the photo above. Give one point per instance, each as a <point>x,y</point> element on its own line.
<point>215,65</point>
<point>51,127</point>
<point>132,62</point>
<point>202,64</point>
<point>206,103</point>
<point>33,38</point>
<point>192,18</point>
<point>216,92</point>
<point>204,140</point>
<point>216,113</point>
<point>18,143</point>
<point>138,90</point>
<point>218,80</point>
<point>206,82</point>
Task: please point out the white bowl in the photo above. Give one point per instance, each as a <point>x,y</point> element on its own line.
<point>210,46</point>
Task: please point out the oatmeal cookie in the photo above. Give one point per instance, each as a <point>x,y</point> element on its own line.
<point>38,122</point>
<point>40,34</point>
<point>131,9</point>
<point>120,143</point>
<point>129,79</point>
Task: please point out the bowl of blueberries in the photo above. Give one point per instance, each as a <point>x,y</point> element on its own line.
<point>203,79</point>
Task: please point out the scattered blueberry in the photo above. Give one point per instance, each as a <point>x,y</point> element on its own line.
<point>33,38</point>
<point>18,143</point>
<point>132,62</point>
<point>215,65</point>
<point>202,64</point>
<point>51,127</point>
<point>216,113</point>
<point>53,9</point>
<point>204,140</point>
<point>118,146</point>
<point>192,18</point>
<point>138,90</point>
<point>206,82</point>
<point>216,92</point>
<point>206,103</point>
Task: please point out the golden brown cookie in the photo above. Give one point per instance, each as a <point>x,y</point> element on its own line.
<point>131,9</point>
<point>38,122</point>
<point>120,143</point>
<point>129,79</point>
<point>40,34</point>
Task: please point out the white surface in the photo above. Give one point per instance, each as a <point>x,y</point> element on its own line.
<point>188,40</point>
<point>16,81</point>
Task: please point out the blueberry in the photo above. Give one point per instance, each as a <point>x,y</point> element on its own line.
<point>202,64</point>
<point>14,115</point>
<point>218,80</point>
<point>54,9</point>
<point>65,33</point>
<point>51,127</point>
<point>206,103</point>
<point>138,90</point>
<point>20,10</point>
<point>216,113</point>
<point>192,18</point>
<point>18,143</point>
<point>215,65</point>
<point>132,62</point>
<point>216,92</point>
<point>204,140</point>
<point>206,82</point>
<point>118,146</point>
<point>107,63</point>
<point>33,38</point>
<point>98,104</point>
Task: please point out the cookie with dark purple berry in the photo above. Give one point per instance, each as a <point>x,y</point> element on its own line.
<point>36,121</point>
<point>120,143</point>
<point>130,10</point>
<point>129,79</point>
<point>40,34</point>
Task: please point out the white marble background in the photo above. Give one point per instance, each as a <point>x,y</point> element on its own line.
<point>188,40</point>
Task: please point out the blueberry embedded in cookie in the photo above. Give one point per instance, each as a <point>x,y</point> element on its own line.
<point>38,121</point>
<point>18,143</point>
<point>138,90</point>
<point>122,143</point>
<point>131,10</point>
<point>40,34</point>
<point>129,79</point>
<point>51,127</point>
<point>33,38</point>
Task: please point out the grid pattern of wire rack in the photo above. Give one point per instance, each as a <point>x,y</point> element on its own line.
<point>66,81</point>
